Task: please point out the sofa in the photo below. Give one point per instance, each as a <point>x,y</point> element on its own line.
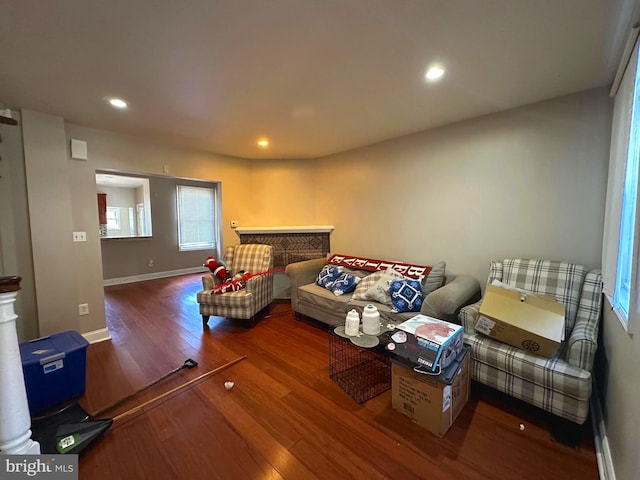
<point>561,384</point>
<point>444,295</point>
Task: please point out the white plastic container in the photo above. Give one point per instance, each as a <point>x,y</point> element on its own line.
<point>352,323</point>
<point>370,320</point>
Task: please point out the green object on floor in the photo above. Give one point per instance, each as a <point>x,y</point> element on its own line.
<point>70,430</point>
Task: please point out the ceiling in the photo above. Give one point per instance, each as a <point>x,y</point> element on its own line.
<point>314,77</point>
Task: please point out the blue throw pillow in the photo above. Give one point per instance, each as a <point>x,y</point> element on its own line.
<point>327,275</point>
<point>345,283</point>
<point>406,295</point>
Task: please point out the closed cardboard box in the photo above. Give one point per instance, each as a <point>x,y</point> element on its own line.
<point>427,341</point>
<point>425,399</point>
<point>532,322</point>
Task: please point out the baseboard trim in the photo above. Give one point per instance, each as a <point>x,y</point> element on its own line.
<point>603,454</point>
<point>152,276</point>
<point>97,335</point>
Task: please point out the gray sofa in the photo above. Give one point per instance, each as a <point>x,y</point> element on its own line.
<point>307,298</point>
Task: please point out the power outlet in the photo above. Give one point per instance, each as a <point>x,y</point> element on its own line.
<point>151,263</point>
<point>235,223</point>
<point>79,236</point>
<point>83,309</point>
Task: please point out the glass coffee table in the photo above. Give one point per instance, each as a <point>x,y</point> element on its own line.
<point>361,365</point>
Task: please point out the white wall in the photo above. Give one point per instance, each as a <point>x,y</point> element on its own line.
<point>54,254</point>
<point>528,182</point>
<point>283,193</point>
<point>618,380</point>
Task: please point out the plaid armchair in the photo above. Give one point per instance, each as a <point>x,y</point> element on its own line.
<point>562,384</point>
<point>244,303</point>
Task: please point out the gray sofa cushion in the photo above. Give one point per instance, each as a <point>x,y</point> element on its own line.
<point>435,279</point>
<point>322,298</point>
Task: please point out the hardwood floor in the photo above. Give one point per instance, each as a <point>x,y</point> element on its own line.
<point>284,418</point>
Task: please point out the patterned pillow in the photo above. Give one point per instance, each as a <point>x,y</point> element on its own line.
<point>406,295</point>
<point>327,275</point>
<point>380,290</point>
<point>365,284</point>
<point>345,283</point>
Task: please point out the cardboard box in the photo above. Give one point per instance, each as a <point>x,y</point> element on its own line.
<point>425,399</point>
<point>54,369</point>
<point>427,341</point>
<point>532,322</point>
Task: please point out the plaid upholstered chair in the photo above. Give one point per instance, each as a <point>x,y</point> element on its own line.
<point>247,302</point>
<point>562,384</point>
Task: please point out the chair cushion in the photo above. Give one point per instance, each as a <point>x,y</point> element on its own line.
<point>557,279</point>
<point>550,374</point>
<point>229,299</point>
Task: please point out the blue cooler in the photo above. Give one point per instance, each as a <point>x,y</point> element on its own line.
<point>54,369</point>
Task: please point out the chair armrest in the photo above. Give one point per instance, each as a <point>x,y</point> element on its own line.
<point>583,341</point>
<point>208,281</point>
<point>446,301</point>
<point>261,287</point>
<point>582,344</point>
<point>257,282</point>
<point>302,273</point>
<point>468,316</point>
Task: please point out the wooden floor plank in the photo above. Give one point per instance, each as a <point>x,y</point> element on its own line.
<point>284,418</point>
<point>288,466</point>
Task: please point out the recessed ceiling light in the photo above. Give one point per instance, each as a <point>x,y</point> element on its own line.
<point>117,103</point>
<point>435,72</point>
<point>263,142</point>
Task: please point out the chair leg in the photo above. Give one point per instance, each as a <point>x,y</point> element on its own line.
<point>205,320</point>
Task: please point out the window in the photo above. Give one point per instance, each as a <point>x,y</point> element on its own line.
<point>113,218</point>
<point>622,295</point>
<point>620,244</point>
<point>196,218</point>
<point>123,193</point>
